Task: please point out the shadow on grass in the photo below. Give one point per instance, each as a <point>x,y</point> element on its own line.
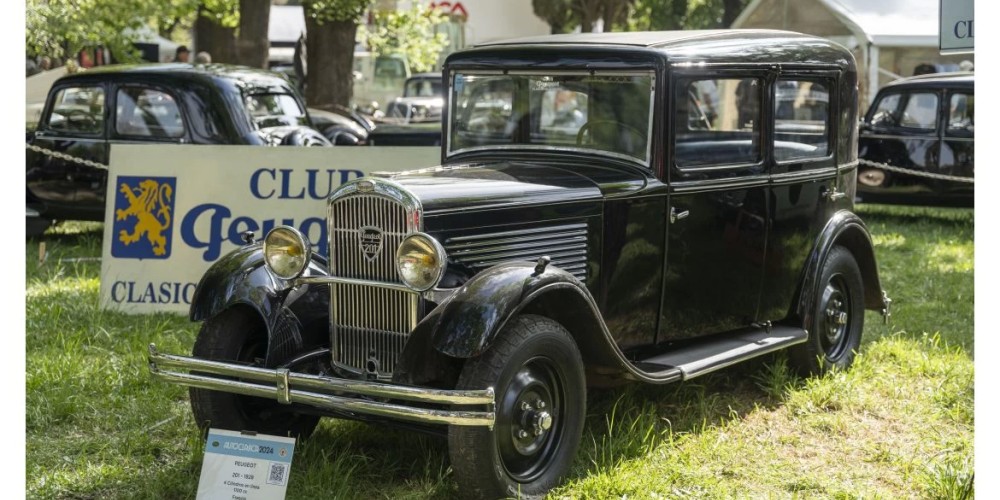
<point>899,214</point>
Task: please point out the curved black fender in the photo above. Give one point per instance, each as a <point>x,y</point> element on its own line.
<point>845,228</point>
<point>466,323</point>
<point>296,318</point>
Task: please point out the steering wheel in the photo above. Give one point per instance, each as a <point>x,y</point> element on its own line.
<point>582,133</point>
<point>81,117</point>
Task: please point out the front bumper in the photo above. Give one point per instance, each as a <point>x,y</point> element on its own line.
<point>329,393</point>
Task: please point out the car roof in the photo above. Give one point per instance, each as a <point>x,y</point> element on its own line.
<point>964,79</point>
<point>252,79</point>
<point>685,46</point>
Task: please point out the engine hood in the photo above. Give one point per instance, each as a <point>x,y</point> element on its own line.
<point>478,186</point>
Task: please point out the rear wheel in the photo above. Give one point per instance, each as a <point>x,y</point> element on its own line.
<point>237,335</point>
<point>537,372</point>
<point>838,317</point>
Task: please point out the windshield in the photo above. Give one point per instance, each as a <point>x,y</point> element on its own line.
<point>423,87</point>
<point>607,112</point>
<point>274,110</point>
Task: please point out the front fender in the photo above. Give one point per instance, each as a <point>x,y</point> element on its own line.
<point>292,316</point>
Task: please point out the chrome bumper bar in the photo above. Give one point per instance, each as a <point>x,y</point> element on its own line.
<point>324,392</point>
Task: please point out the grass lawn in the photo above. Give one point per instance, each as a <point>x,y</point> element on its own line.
<point>898,424</point>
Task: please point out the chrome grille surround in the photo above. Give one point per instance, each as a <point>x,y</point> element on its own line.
<point>368,321</point>
<point>564,243</point>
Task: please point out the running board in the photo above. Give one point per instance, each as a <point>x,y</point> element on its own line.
<point>695,360</point>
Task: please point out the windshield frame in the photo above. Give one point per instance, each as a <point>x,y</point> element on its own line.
<point>650,72</point>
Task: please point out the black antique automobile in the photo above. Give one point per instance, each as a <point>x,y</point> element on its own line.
<point>154,103</point>
<point>917,142</point>
<point>611,207</point>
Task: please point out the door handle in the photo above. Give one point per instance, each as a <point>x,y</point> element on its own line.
<point>834,195</point>
<point>676,216</point>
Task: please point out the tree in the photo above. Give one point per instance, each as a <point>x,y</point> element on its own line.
<point>215,29</point>
<point>252,43</point>
<point>557,13</point>
<point>410,33</point>
<point>332,26</point>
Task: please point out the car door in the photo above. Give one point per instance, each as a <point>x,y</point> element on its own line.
<point>803,167</point>
<point>958,142</point>
<point>716,218</point>
<point>74,123</point>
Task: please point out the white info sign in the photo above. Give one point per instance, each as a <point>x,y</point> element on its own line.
<point>240,466</point>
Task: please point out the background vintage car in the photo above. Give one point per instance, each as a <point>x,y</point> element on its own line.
<point>923,128</point>
<point>87,112</point>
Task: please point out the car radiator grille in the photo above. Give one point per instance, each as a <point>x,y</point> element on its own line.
<point>369,323</point>
<point>565,244</point>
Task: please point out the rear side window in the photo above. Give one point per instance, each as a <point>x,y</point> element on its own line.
<point>717,121</point>
<point>802,119</point>
<point>961,120</point>
<point>78,110</point>
<point>145,112</point>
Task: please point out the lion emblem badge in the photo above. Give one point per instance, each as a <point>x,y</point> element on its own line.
<point>143,217</point>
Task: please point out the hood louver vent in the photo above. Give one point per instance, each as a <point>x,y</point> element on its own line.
<point>565,244</point>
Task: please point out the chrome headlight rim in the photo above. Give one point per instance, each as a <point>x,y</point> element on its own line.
<point>442,261</point>
<point>301,240</point>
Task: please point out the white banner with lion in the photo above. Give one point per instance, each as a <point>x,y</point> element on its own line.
<point>173,210</point>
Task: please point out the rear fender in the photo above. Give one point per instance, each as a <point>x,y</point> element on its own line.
<point>848,230</point>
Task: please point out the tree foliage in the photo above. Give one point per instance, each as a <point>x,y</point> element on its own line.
<point>61,27</point>
<point>638,15</point>
<point>410,33</point>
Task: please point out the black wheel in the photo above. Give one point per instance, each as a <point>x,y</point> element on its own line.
<point>537,372</point>
<point>838,317</point>
<point>237,335</point>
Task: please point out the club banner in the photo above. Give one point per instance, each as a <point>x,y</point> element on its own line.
<point>173,210</point>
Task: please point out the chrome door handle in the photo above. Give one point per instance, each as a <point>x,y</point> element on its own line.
<point>676,216</point>
<point>834,195</point>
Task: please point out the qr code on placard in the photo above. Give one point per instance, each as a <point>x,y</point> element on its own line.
<point>278,474</point>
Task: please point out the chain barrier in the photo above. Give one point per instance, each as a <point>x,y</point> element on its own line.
<point>66,157</point>
<point>899,170</point>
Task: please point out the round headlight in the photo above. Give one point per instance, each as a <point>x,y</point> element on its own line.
<point>286,252</point>
<point>420,261</point>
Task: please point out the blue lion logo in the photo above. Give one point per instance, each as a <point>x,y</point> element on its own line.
<point>149,202</point>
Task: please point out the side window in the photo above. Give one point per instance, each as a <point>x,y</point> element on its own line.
<point>961,115</point>
<point>802,119</point>
<point>885,114</point>
<point>78,110</point>
<point>921,111</point>
<point>145,112</point>
<point>717,121</point>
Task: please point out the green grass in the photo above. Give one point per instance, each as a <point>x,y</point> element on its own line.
<point>898,424</point>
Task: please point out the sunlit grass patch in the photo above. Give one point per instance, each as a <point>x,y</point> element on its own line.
<point>898,424</point>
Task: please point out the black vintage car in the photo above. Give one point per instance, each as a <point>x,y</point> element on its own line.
<point>154,103</point>
<point>917,142</point>
<point>611,208</point>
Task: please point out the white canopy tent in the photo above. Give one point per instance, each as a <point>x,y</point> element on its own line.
<point>889,38</point>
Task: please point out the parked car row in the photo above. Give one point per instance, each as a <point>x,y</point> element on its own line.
<point>916,126</point>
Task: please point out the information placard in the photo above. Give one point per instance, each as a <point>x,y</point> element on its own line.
<point>245,466</point>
